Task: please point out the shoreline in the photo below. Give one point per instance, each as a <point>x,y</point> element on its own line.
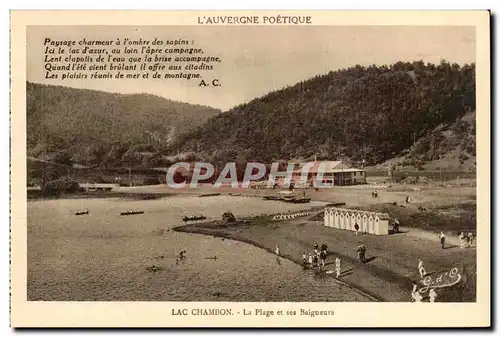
<point>392,259</point>
<point>371,296</point>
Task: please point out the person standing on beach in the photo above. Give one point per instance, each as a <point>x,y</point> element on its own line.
<point>356,228</point>
<point>461,237</point>
<point>337,267</point>
<point>315,260</point>
<point>432,295</point>
<point>395,228</point>
<point>310,259</point>
<point>182,254</point>
<point>304,259</point>
<point>421,268</point>
<point>442,238</point>
<point>324,248</point>
<point>417,297</point>
<point>361,253</point>
<point>415,287</point>
<point>322,258</point>
<point>277,250</point>
<point>470,238</point>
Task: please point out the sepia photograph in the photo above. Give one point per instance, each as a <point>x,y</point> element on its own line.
<point>253,157</point>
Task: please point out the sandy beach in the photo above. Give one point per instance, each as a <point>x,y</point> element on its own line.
<point>392,259</point>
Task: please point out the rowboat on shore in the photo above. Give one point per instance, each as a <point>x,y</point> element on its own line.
<point>82,212</point>
<point>208,195</point>
<point>194,217</point>
<point>296,200</point>
<point>270,197</point>
<point>131,212</point>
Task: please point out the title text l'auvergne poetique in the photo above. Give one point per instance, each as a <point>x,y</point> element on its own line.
<point>255,20</point>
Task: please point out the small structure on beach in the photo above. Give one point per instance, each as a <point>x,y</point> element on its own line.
<point>368,222</point>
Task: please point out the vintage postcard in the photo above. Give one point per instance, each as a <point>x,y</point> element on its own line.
<point>250,169</point>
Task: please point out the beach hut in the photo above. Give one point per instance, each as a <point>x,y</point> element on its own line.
<point>342,219</point>
<point>330,218</point>
<point>347,220</point>
<point>364,221</point>
<point>336,219</point>
<point>353,220</point>
<point>359,220</point>
<point>381,224</point>
<point>371,223</point>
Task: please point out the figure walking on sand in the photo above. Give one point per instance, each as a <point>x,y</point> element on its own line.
<point>310,260</point>
<point>356,228</point>
<point>315,260</point>
<point>442,238</point>
<point>432,295</point>
<point>415,287</point>
<point>470,239</point>
<point>322,258</point>
<point>417,297</point>
<point>461,237</point>
<point>304,260</point>
<point>277,250</point>
<point>421,268</point>
<point>337,267</point>
<point>395,227</point>
<point>361,253</point>
<point>324,248</point>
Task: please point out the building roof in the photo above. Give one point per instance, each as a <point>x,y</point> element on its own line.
<point>327,167</point>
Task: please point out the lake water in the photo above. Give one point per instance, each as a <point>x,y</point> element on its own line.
<point>105,257</point>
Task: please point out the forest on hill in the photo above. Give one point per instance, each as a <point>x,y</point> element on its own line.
<point>450,147</point>
<point>408,114</point>
<point>100,129</point>
<point>372,113</point>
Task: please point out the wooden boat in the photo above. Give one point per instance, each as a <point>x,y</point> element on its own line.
<point>270,197</point>
<point>297,200</point>
<point>194,217</point>
<point>131,212</point>
<point>208,195</point>
<point>82,212</point>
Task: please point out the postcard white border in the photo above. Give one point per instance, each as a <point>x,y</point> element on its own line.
<point>156,314</point>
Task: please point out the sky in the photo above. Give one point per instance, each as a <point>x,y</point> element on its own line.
<point>259,59</point>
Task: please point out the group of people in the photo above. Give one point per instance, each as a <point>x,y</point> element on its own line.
<point>466,239</point>
<point>316,259</point>
<point>416,296</point>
